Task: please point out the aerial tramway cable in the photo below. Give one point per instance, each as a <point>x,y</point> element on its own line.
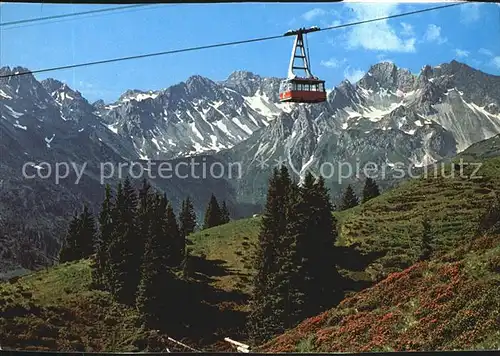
<point>54,17</point>
<point>120,59</point>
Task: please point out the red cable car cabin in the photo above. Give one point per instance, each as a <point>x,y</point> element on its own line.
<point>303,90</point>
<point>307,89</point>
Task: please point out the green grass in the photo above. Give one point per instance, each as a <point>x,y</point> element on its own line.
<point>55,309</point>
<point>389,225</point>
<point>231,244</point>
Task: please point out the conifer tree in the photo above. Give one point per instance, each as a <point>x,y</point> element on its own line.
<point>100,272</point>
<point>324,270</point>
<point>177,241</point>
<point>124,260</point>
<point>267,304</point>
<point>156,288</point>
<point>187,265</point>
<point>87,234</point>
<point>144,216</point>
<point>212,214</point>
<point>370,190</point>
<point>68,250</point>
<point>187,218</point>
<point>291,278</point>
<point>311,224</point>
<point>225,216</point>
<point>426,241</point>
<point>80,238</point>
<point>349,199</point>
<point>490,220</point>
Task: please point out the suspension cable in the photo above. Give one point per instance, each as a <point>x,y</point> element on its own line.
<point>224,44</point>
<point>24,21</point>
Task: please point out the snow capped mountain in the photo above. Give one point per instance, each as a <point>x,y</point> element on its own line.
<point>196,116</point>
<point>389,117</point>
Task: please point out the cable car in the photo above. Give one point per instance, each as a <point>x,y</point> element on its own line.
<point>305,89</point>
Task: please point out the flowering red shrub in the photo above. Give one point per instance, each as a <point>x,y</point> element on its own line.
<point>429,306</point>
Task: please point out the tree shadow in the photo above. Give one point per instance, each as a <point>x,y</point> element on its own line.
<point>355,261</point>
<point>352,259</point>
<point>209,313</point>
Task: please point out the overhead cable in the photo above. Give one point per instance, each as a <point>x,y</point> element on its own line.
<point>53,17</point>
<point>224,44</point>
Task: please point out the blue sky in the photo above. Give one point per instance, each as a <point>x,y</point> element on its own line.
<point>468,33</point>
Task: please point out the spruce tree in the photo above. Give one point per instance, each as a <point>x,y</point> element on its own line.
<point>87,234</point>
<point>291,278</point>
<point>426,241</point>
<point>212,214</point>
<point>224,212</point>
<point>177,241</point>
<point>490,220</point>
<point>370,190</point>
<point>80,238</point>
<point>144,216</point>
<point>156,288</point>
<point>187,218</point>
<point>349,199</point>
<point>124,260</point>
<point>267,304</point>
<point>324,270</point>
<point>312,228</point>
<point>100,271</point>
<point>69,250</point>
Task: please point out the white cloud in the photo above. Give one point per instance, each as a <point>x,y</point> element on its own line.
<point>485,51</point>
<point>353,75</point>
<point>333,63</point>
<point>433,34</point>
<point>376,36</point>
<point>381,57</point>
<point>407,29</point>
<point>469,13</point>
<point>90,90</point>
<point>334,23</point>
<point>461,53</point>
<point>311,14</point>
<point>496,62</point>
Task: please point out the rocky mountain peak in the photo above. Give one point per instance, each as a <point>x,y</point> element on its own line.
<point>23,86</point>
<point>15,70</point>
<point>240,75</point>
<point>99,104</point>
<point>55,87</point>
<point>250,84</point>
<point>197,85</point>
<point>387,75</point>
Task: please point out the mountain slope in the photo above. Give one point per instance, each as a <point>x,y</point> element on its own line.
<point>58,310</point>
<point>389,118</point>
<point>398,313</point>
<point>192,117</point>
<point>450,303</point>
<point>382,236</point>
<point>47,128</point>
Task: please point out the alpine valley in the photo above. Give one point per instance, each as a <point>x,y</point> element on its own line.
<point>389,117</point>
